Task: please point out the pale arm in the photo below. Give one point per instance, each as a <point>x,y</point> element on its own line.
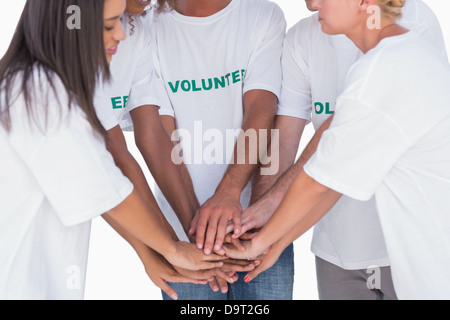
<point>290,132</point>
<point>260,212</point>
<point>135,218</point>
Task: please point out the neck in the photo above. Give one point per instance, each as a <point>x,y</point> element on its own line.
<point>366,39</point>
<point>200,8</point>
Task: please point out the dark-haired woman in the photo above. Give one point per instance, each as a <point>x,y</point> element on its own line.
<point>56,173</point>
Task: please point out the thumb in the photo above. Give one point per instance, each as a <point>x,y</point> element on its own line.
<point>245,227</point>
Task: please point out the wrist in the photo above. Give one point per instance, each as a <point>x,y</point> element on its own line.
<point>230,188</point>
<point>255,249</point>
<point>171,251</point>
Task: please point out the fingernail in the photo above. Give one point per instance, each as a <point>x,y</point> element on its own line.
<point>174,296</point>
<point>247,279</point>
<point>207,251</point>
<point>199,245</point>
<point>217,247</point>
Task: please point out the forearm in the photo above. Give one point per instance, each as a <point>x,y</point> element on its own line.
<point>285,149</point>
<point>305,203</point>
<point>156,148</point>
<point>307,223</point>
<point>187,182</point>
<point>278,191</point>
<point>133,219</point>
<point>169,179</point>
<point>260,108</point>
<point>131,169</point>
<point>144,252</point>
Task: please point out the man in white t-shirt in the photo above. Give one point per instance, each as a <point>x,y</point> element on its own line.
<point>220,63</point>
<point>130,101</point>
<point>348,242</point>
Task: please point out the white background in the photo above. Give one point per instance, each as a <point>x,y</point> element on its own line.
<point>114,270</point>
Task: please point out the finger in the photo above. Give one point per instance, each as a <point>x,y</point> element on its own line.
<point>167,290</point>
<point>179,278</point>
<point>194,222</point>
<point>204,265</point>
<point>265,264</point>
<point>227,276</point>
<point>228,239</point>
<point>230,227</point>
<point>211,233</point>
<point>248,236</point>
<point>253,274</point>
<point>201,228</point>
<point>221,232</point>
<point>201,275</point>
<point>238,268</point>
<point>237,221</point>
<point>214,258</point>
<point>238,244</point>
<point>213,285</point>
<point>223,285</point>
<point>244,228</point>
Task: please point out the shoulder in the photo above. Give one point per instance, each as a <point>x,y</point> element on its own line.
<point>405,60</point>
<point>260,9</point>
<point>304,31</point>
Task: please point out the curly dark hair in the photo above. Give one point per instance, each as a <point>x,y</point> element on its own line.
<point>162,5</point>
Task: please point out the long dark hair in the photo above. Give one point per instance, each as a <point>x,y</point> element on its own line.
<point>43,39</point>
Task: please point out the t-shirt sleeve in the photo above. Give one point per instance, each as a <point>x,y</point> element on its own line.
<point>68,160</point>
<point>103,110</point>
<point>295,99</point>
<point>264,67</point>
<point>76,172</point>
<point>357,151</point>
<point>145,89</point>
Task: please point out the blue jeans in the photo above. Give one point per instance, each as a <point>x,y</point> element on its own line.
<point>276,283</point>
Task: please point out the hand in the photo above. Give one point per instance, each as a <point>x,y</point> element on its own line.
<point>267,261</point>
<point>229,275</point>
<point>238,242</point>
<point>254,217</point>
<point>187,256</point>
<point>161,272</point>
<point>211,220</point>
<point>251,252</point>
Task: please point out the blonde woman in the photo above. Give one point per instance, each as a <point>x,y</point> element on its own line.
<point>348,241</point>
<point>389,138</point>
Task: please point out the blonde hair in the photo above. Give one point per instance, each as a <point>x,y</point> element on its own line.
<point>391,9</point>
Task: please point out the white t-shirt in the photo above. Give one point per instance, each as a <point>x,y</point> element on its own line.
<point>54,180</point>
<point>207,64</point>
<point>390,138</point>
<point>133,80</point>
<point>314,69</point>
